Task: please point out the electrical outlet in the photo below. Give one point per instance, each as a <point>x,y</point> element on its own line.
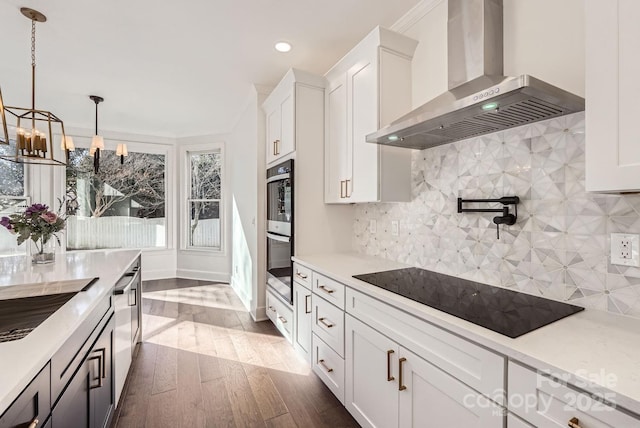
<point>395,227</point>
<point>373,227</point>
<point>625,249</point>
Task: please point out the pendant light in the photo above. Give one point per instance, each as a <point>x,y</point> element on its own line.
<point>97,143</point>
<point>121,150</point>
<point>33,129</point>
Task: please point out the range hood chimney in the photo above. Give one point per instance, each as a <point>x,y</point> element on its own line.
<point>480,99</point>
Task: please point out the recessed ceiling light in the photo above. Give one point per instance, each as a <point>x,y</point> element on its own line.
<point>283,47</point>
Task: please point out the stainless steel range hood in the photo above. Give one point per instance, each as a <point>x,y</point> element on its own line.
<point>480,99</point>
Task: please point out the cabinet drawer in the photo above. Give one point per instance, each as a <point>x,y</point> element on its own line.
<point>328,324</point>
<point>280,315</point>
<point>329,289</point>
<point>329,367</point>
<point>32,403</point>
<point>545,403</point>
<point>302,275</point>
<point>478,367</point>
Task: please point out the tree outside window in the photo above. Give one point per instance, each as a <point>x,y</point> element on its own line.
<point>204,201</point>
<point>12,198</point>
<point>121,206</point>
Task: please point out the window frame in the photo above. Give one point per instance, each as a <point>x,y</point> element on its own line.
<point>186,200</point>
<point>160,148</point>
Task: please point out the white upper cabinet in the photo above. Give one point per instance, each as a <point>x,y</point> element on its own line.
<point>280,112</point>
<point>368,89</point>
<point>612,90</point>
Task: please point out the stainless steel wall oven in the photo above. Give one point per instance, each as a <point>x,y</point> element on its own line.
<point>280,227</point>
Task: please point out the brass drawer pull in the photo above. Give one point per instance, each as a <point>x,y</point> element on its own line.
<point>301,275</point>
<point>277,147</point>
<point>326,324</point>
<point>574,423</point>
<point>346,189</point>
<point>342,189</point>
<point>389,377</point>
<point>324,366</point>
<point>326,289</point>
<point>401,387</point>
<point>282,319</point>
<point>34,423</point>
<point>307,309</point>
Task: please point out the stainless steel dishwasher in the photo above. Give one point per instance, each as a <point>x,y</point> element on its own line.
<point>127,299</point>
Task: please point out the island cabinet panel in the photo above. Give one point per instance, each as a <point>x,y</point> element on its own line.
<point>88,400</point>
<point>67,359</point>
<point>34,403</point>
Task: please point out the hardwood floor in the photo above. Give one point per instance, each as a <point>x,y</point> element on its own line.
<point>205,363</point>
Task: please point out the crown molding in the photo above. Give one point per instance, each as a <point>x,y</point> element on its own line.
<point>414,15</point>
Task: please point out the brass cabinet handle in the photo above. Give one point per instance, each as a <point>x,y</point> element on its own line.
<point>272,309</point>
<point>342,189</point>
<point>324,366</point>
<point>389,377</point>
<point>401,387</point>
<point>346,189</point>
<point>574,423</point>
<point>307,309</point>
<point>326,324</point>
<point>326,289</point>
<point>34,423</point>
<point>282,319</point>
<point>277,147</point>
<point>301,275</point>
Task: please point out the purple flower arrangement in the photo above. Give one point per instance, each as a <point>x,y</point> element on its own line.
<point>36,223</point>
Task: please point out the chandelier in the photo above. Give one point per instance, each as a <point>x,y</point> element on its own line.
<point>33,129</point>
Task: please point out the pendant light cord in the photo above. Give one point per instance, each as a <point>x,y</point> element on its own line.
<point>33,72</point>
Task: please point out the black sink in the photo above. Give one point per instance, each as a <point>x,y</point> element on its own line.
<point>19,317</point>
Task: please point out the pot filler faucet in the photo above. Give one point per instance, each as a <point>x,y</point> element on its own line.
<point>506,217</point>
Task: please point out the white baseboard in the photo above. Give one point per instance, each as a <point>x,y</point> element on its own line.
<point>148,275</point>
<point>203,275</point>
<point>261,314</point>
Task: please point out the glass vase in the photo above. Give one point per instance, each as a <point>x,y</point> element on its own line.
<point>43,253</point>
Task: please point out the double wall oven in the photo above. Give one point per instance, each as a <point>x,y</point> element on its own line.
<point>280,229</point>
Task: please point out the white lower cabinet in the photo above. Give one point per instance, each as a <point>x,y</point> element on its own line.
<point>303,307</point>
<point>545,403</point>
<point>371,376</point>
<point>388,386</point>
<point>281,315</point>
<point>515,422</point>
<point>329,366</point>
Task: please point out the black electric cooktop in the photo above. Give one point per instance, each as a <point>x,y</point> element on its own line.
<point>504,311</point>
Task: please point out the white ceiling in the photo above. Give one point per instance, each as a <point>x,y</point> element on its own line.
<point>173,68</point>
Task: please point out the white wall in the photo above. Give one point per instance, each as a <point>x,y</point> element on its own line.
<point>543,38</point>
<point>195,263</point>
<point>247,160</point>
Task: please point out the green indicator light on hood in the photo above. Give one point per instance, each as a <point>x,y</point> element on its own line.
<point>393,138</point>
<point>490,106</point>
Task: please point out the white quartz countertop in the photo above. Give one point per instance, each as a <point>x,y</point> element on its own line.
<point>598,351</point>
<point>21,360</point>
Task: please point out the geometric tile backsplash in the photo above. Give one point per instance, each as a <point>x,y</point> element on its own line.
<point>559,247</point>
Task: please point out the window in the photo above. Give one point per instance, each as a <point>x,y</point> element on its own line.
<point>204,200</point>
<point>122,206</point>
<point>12,198</point>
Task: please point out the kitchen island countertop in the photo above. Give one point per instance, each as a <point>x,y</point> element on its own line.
<point>596,350</point>
<point>21,360</point>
